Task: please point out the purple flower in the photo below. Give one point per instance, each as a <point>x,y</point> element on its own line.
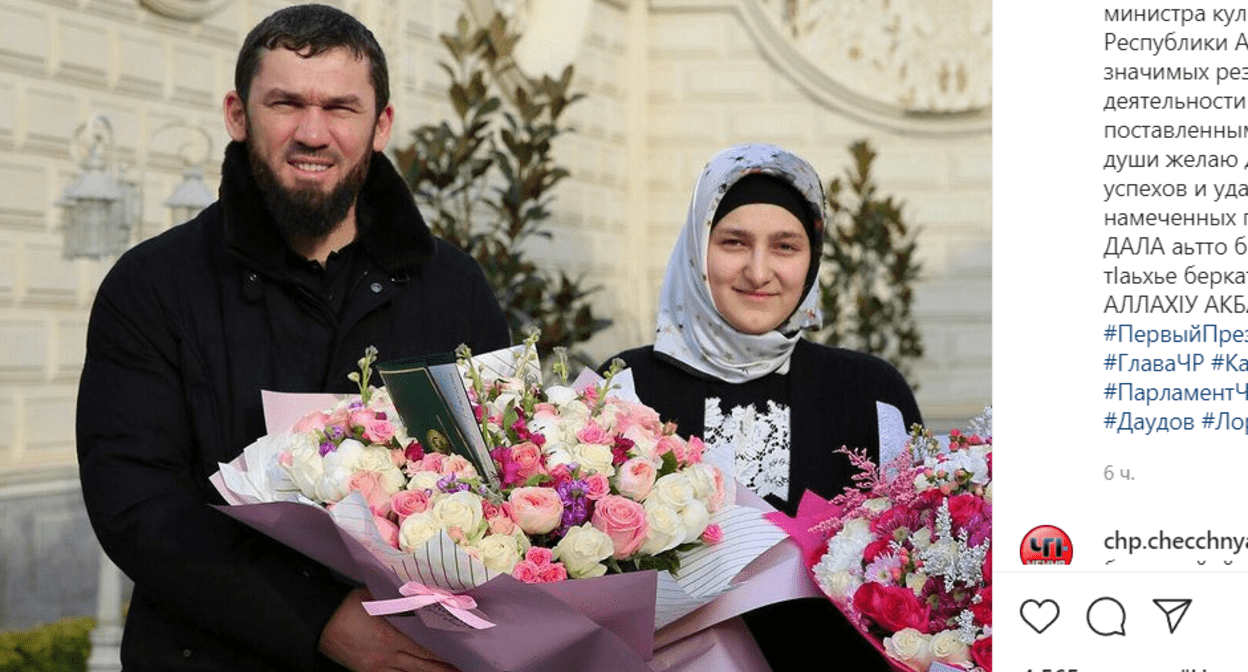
<point>328,447</point>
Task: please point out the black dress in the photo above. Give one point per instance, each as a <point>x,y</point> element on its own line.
<point>831,395</point>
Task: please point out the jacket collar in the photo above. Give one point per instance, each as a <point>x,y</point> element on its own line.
<point>391,230</point>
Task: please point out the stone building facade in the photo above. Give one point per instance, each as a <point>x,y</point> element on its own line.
<point>668,83</point>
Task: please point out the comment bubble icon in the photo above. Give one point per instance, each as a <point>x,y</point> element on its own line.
<point>1107,617</point>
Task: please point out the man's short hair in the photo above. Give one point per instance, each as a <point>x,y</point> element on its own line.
<point>310,30</point>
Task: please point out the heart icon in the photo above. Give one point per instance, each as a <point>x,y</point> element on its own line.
<point>1039,615</point>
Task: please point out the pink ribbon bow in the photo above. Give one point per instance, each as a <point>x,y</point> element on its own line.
<point>419,595</point>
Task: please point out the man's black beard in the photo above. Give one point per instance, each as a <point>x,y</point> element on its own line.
<point>307,214</point>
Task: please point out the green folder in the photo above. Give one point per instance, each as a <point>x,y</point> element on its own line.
<point>430,396</point>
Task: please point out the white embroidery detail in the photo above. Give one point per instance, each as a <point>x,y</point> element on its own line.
<point>761,441</point>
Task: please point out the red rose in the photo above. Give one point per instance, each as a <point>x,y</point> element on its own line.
<point>893,607</point>
<point>983,609</point>
<point>965,510</point>
<point>981,653</point>
<point>987,570</point>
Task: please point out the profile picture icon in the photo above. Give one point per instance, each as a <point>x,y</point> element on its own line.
<point>1046,545</point>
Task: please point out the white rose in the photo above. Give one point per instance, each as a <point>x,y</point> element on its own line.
<point>582,551</point>
<point>594,457</point>
<point>665,529</point>
<point>416,530</point>
<point>499,552</point>
<point>557,454</point>
<point>948,649</point>
<point>911,648</point>
<point>707,484</point>
<point>560,395</point>
<point>424,480</point>
<point>672,490</point>
<point>306,466</point>
<point>374,458</point>
<point>696,518</point>
<point>988,493</point>
<point>460,509</point>
<point>339,466</point>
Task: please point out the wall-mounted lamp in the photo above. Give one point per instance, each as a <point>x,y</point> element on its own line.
<point>96,204</point>
<point>101,208</point>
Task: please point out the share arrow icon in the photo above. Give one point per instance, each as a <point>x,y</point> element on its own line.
<point>1174,610</point>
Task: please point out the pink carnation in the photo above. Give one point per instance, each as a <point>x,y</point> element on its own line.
<point>527,572</point>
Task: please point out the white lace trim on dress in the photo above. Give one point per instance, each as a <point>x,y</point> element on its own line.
<point>761,441</point>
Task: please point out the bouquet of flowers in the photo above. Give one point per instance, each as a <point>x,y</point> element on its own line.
<point>539,483</point>
<point>907,555</point>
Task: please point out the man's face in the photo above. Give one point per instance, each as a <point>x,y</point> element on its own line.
<point>311,126</point>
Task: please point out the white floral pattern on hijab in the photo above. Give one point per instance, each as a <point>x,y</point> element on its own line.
<point>690,329</point>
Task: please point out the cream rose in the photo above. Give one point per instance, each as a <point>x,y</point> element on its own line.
<point>838,585</point>
<point>948,649</point>
<point>536,510</point>
<point>911,648</point>
<point>595,457</point>
<point>708,485</point>
<point>460,509</point>
<point>499,552</point>
<point>424,480</point>
<point>417,529</point>
<point>582,551</point>
<point>635,478</point>
<point>695,518</point>
<point>665,529</point>
<point>672,490</point>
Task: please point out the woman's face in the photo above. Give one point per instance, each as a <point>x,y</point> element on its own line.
<point>756,266</point>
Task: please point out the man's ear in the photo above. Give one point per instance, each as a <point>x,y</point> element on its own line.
<point>381,132</point>
<point>235,116</point>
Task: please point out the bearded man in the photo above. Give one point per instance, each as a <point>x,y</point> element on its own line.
<point>314,251</point>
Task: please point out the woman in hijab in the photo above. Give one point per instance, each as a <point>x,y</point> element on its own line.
<point>729,365</point>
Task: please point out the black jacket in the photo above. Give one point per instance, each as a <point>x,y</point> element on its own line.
<point>832,395</point>
<point>186,329</point>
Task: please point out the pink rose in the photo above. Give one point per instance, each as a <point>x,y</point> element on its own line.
<point>379,431</point>
<point>527,457</point>
<point>592,433</point>
<point>713,534</point>
<point>553,573</point>
<point>893,607</point>
<point>539,555</point>
<point>527,572</point>
<point>536,510</point>
<point>624,521</point>
<point>362,417</point>
<point>368,483</point>
<point>597,486</point>
<point>409,502</point>
<point>635,478</point>
<point>459,466</point>
<point>314,422</point>
<point>432,462</point>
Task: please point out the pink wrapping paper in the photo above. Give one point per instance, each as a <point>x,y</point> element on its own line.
<point>588,625</point>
